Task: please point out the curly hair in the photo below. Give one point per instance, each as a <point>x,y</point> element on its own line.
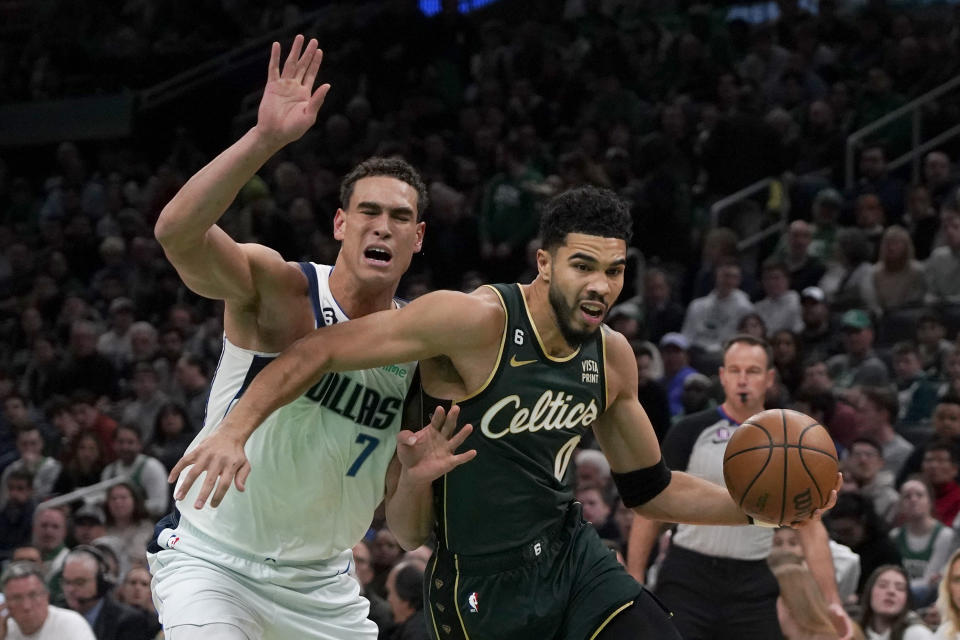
<point>393,167</point>
<point>588,210</point>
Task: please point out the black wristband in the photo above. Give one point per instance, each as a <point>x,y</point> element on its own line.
<point>640,486</point>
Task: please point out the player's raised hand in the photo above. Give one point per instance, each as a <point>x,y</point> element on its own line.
<point>431,452</point>
<point>818,514</point>
<point>222,458</point>
<point>290,104</point>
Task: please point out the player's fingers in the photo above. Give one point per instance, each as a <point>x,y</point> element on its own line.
<point>839,485</point>
<point>182,464</point>
<point>290,64</point>
<point>466,456</point>
<point>313,69</point>
<point>450,424</point>
<point>305,60</point>
<point>273,67</point>
<point>460,437</point>
<point>223,485</point>
<point>189,478</point>
<point>437,418</point>
<point>241,479</point>
<point>209,482</point>
<point>316,100</point>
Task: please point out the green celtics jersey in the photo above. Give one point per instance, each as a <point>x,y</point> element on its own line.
<point>527,419</point>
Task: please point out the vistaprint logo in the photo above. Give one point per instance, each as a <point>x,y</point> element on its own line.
<point>395,370</point>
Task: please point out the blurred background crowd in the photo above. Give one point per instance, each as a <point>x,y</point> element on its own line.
<point>849,267</point>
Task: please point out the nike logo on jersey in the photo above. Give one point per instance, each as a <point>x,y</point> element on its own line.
<point>519,363</point>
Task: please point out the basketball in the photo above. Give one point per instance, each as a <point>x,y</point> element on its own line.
<point>780,465</point>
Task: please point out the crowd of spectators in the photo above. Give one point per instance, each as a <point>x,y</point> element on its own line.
<point>106,359</point>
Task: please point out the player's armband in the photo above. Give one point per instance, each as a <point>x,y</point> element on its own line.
<point>643,485</point>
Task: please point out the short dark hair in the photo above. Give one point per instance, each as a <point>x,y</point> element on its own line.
<point>885,398</point>
<point>588,210</point>
<point>408,584</point>
<point>743,338</point>
<point>393,167</point>
<point>135,430</point>
<point>868,442</point>
<point>950,398</point>
<point>20,474</point>
<point>905,347</point>
<point>941,444</point>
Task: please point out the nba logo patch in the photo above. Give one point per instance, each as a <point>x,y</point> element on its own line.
<point>723,434</point>
<point>172,541</point>
<point>474,601</point>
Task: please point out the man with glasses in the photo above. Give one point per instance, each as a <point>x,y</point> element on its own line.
<point>28,612</point>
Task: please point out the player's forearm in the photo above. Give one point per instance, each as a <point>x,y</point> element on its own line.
<point>816,549</point>
<point>643,535</point>
<point>280,383</point>
<point>410,512</point>
<point>692,500</point>
<point>204,198</point>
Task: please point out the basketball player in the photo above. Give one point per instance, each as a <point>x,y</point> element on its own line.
<point>716,579</point>
<point>272,562</point>
<point>532,367</point>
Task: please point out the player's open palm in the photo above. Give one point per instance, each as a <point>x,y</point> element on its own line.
<point>221,457</point>
<point>431,452</point>
<point>289,105</point>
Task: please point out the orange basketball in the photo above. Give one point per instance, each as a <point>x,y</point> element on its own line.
<point>780,465</point>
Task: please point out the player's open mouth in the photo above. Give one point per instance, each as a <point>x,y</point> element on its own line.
<point>379,256</point>
<point>592,311</point>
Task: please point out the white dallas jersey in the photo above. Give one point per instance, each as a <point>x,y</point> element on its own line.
<point>317,464</point>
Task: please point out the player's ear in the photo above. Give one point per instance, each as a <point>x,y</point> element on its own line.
<point>339,222</point>
<point>544,260</point>
<point>421,229</point>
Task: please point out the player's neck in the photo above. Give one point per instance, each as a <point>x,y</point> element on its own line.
<point>739,411</point>
<point>357,298</point>
<point>544,321</point>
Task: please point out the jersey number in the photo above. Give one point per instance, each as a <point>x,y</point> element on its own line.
<point>563,458</point>
<point>369,444</point>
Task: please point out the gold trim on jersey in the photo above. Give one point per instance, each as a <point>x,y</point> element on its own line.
<point>603,353</point>
<point>536,332</point>
<point>456,595</point>
<point>609,618</point>
<point>503,344</point>
<point>428,603</point>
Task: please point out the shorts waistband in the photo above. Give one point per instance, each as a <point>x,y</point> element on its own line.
<point>715,561</point>
<point>546,542</point>
<point>185,537</point>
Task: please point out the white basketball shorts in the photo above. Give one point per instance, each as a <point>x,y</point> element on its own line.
<point>197,582</point>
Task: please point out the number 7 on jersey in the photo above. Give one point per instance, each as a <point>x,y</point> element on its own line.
<point>370,443</point>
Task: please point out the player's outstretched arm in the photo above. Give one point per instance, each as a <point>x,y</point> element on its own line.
<point>442,322</point>
<point>422,457</point>
<point>209,261</point>
<point>630,444</point>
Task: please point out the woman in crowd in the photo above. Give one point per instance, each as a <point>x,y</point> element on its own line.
<point>84,464</point>
<point>846,281</point>
<point>948,600</point>
<point>172,434</point>
<point>753,325</point>
<point>887,607</point>
<point>897,279</point>
<point>788,359</point>
<point>923,541</point>
<point>135,591</point>
<point>127,520</point>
